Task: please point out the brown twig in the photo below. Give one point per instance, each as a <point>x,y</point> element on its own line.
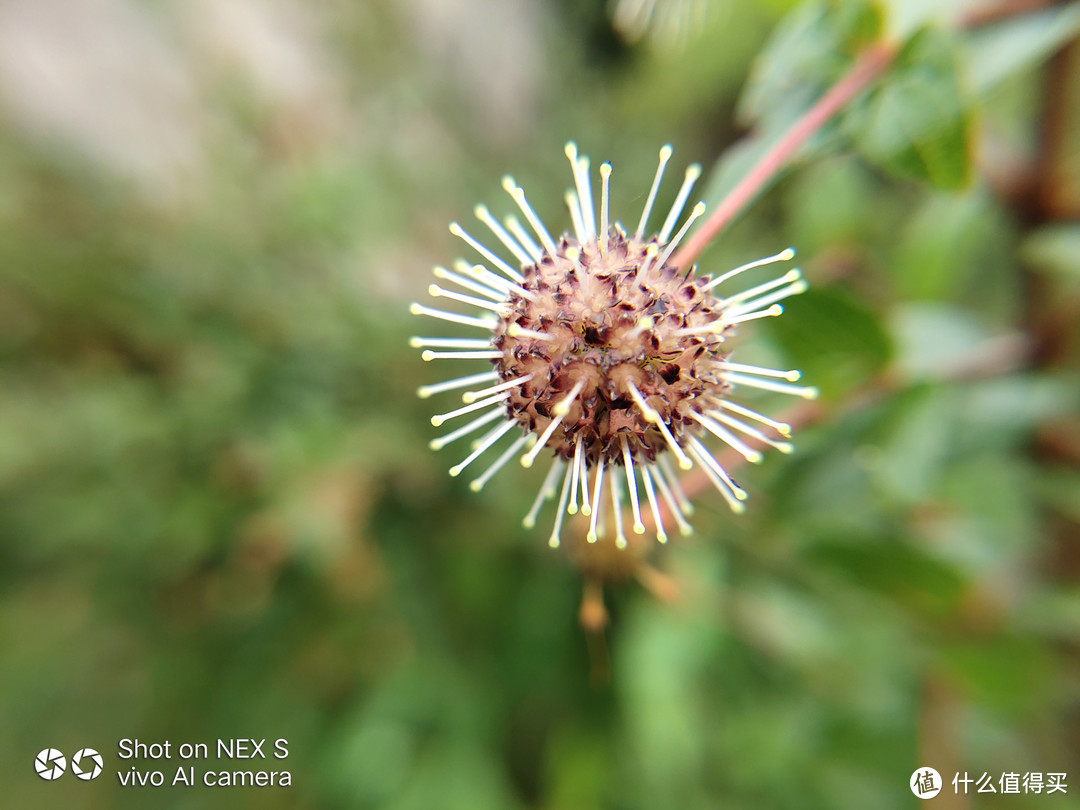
<point>870,64</point>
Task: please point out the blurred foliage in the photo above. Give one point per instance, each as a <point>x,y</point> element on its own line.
<point>218,513</point>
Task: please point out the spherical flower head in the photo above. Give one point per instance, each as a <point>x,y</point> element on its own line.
<point>605,357</point>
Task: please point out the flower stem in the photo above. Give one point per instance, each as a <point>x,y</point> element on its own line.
<point>870,64</point>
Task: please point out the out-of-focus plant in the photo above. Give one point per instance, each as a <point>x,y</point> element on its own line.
<point>217,513</point>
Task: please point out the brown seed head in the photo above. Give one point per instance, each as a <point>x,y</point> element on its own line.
<point>606,321</point>
<point>607,356</point>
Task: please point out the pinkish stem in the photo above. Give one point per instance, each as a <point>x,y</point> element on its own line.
<point>870,64</point>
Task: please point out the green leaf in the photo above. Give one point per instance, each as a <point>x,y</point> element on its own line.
<point>809,50</point>
<point>900,571</point>
<point>835,340</point>
<point>905,17</point>
<point>912,444</point>
<point>1059,489</point>
<point>935,341</point>
<point>914,124</point>
<point>1009,674</point>
<point>1054,250</point>
<point>996,52</point>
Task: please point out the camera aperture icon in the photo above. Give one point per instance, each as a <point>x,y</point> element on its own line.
<point>87,764</point>
<point>50,764</point>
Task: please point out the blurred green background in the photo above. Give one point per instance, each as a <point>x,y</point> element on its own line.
<point>218,513</point>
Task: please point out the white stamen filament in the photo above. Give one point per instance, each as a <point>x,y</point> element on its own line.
<point>588,210</point>
<point>644,324</point>
<point>561,409</point>
<point>772,312</point>
<point>726,436</point>
<point>746,295</point>
<point>723,322</point>
<point>439,418</point>
<point>518,193</point>
<point>580,167</point>
<point>516,330</point>
<point>452,317</point>
<point>616,508</point>
<point>665,156</point>
<point>481,448</point>
<point>652,416</point>
<point>485,276</point>
<point>513,224</point>
<point>806,392</point>
<point>478,484</point>
<point>484,215</point>
<point>547,490</point>
<point>719,478</point>
<point>697,211</point>
<point>574,255</point>
<point>528,459</point>
<point>448,343</point>
<point>783,428</point>
<point>664,465</point>
<point>469,284</point>
<point>693,172</point>
<point>553,540</point>
<point>761,371</point>
<point>492,354</point>
<point>475,424</point>
<point>435,291</point>
<point>672,503</point>
<point>605,181</point>
<point>601,515</point>
<point>643,268</point>
<point>742,427</point>
<point>783,256</point>
<point>631,484</point>
<point>425,391</point>
<point>461,233</point>
<point>597,488</point>
<point>471,396</point>
<point>575,214</point>
<point>798,288</point>
<point>586,501</point>
<point>684,461</point>
<point>575,467</point>
<point>650,494</point>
